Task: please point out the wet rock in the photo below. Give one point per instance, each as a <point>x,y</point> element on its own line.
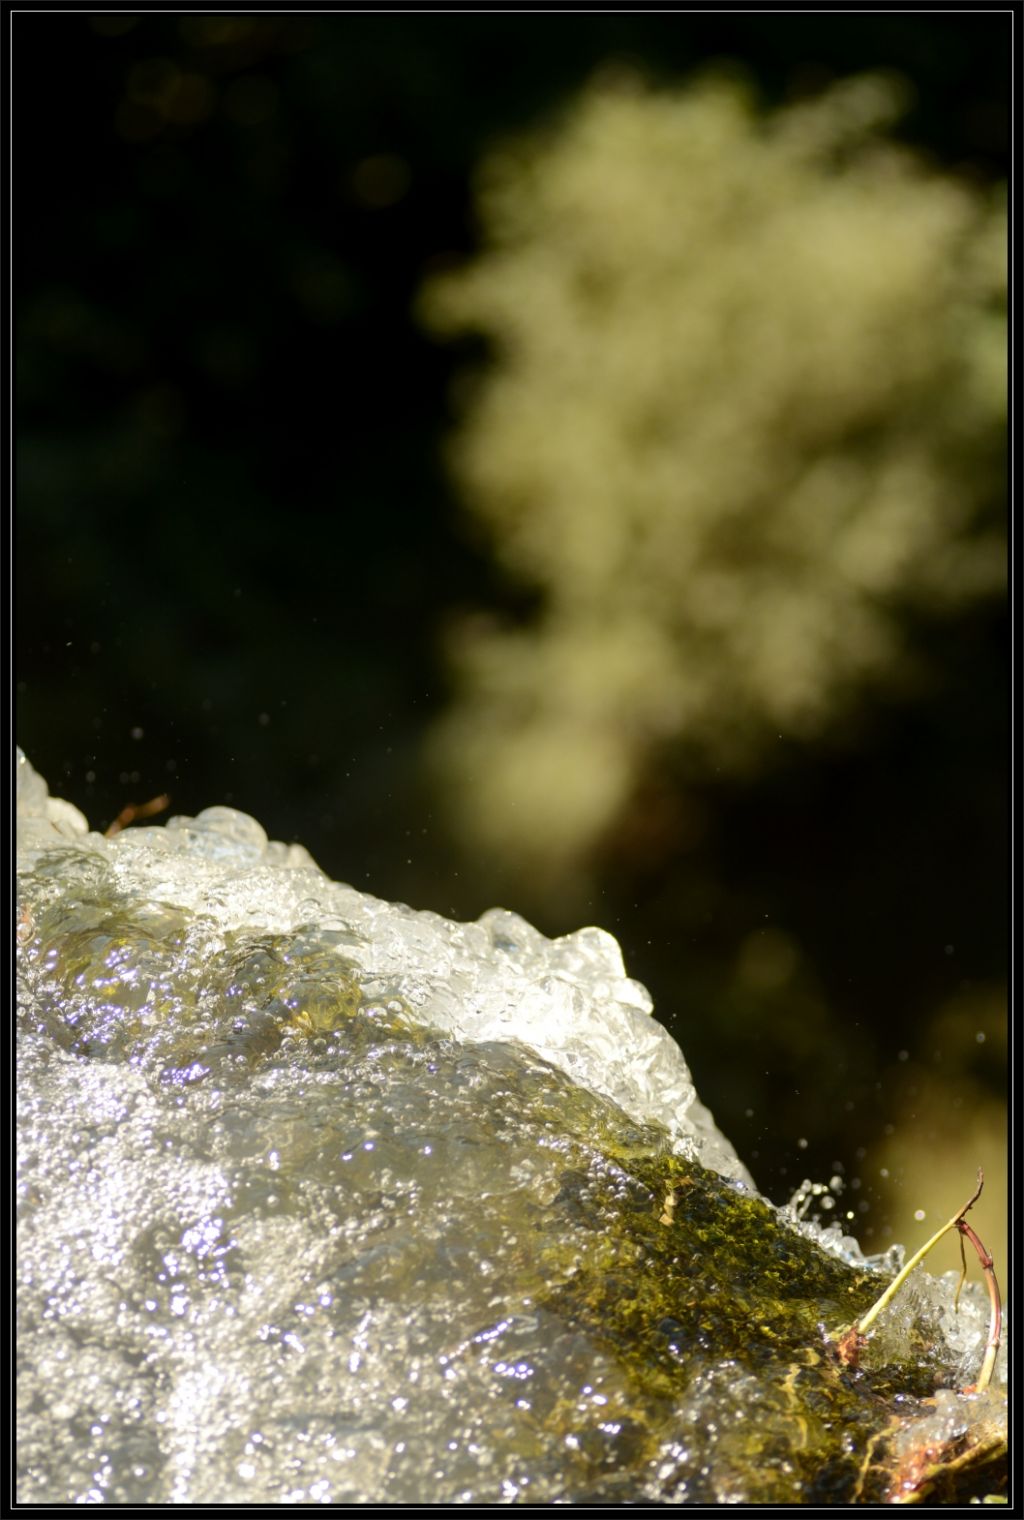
<point>324,1200</point>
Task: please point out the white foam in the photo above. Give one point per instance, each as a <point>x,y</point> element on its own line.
<point>569,999</point>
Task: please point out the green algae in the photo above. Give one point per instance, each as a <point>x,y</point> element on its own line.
<point>118,983</point>
<point>721,1311</point>
<point>694,1327</point>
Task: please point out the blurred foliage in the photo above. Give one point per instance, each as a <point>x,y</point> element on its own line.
<point>744,410</point>
<point>236,543</point>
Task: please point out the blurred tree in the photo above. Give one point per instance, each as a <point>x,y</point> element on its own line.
<point>235,542</point>
<point>743,417</point>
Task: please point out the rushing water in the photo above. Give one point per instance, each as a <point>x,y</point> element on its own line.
<point>325,1200</point>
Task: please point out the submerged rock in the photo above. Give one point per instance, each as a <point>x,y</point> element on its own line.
<point>325,1200</point>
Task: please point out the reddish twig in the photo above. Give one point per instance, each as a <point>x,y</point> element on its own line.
<point>995,1328</point>
<point>135,810</point>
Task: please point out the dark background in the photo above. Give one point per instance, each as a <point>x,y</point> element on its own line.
<point>236,543</point>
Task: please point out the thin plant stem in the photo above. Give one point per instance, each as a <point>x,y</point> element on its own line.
<point>864,1324</point>
<point>135,810</point>
<point>995,1328</point>
<point>963,1275</point>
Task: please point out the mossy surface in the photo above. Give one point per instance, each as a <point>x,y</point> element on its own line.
<point>724,1316</point>
<point>155,984</point>
<point>447,1259</point>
